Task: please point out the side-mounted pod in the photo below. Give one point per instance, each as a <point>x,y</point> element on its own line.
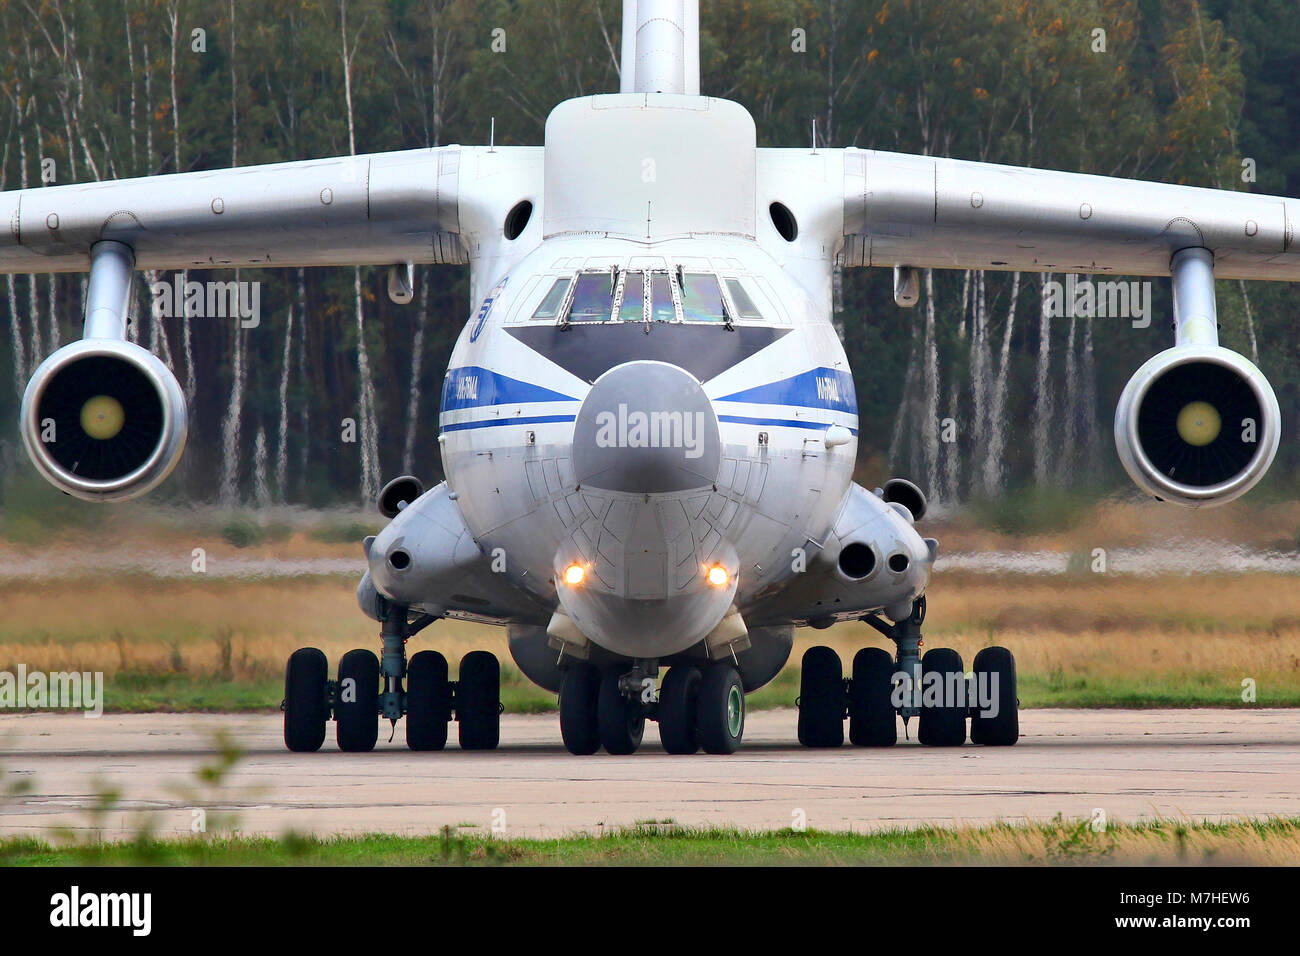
<point>103,419</point>
<point>1197,424</point>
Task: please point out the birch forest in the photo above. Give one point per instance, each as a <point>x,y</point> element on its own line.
<point>977,393</point>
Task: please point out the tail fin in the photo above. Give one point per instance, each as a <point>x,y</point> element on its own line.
<point>661,47</point>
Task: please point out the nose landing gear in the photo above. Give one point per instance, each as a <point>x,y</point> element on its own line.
<point>696,708</point>
<point>356,700</point>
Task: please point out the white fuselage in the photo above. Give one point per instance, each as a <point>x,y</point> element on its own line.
<point>774,384</point>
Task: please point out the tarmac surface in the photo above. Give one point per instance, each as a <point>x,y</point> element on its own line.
<point>1130,765</point>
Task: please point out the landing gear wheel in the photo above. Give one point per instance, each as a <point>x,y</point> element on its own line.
<point>721,709</point>
<point>943,725</point>
<point>821,699</point>
<point>428,701</point>
<point>579,691</point>
<point>872,720</point>
<point>306,707</point>
<point>621,722</point>
<point>478,701</point>
<point>356,712</point>
<point>678,709</point>
<point>995,668</point>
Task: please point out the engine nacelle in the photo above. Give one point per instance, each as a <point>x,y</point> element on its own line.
<point>1197,424</point>
<point>103,419</point>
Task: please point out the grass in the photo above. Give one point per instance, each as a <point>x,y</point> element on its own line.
<point>1090,641</point>
<point>1264,842</point>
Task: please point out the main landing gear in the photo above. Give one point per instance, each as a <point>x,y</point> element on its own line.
<point>935,689</point>
<point>367,689</point>
<point>697,707</point>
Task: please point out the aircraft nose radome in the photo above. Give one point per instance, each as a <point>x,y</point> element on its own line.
<point>646,428</point>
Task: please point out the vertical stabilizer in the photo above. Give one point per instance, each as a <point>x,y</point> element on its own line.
<point>661,47</point>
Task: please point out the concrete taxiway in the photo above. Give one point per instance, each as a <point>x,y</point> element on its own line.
<point>1131,765</point>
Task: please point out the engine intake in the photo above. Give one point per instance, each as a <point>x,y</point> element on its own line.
<point>1197,425</point>
<point>103,420</point>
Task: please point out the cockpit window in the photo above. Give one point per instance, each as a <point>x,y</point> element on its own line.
<point>702,298</point>
<point>593,297</point>
<point>662,308</point>
<point>745,307</point>
<point>632,308</point>
<point>550,306</point>
<point>657,295</point>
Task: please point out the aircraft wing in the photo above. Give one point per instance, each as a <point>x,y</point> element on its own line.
<point>420,205</point>
<point>931,212</point>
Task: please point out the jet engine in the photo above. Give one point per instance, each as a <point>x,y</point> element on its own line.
<point>103,420</point>
<point>1197,424</point>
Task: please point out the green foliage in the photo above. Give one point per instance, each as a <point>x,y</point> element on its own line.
<point>245,530</point>
<point>1058,841</point>
<point>31,511</point>
<point>1032,510</point>
<point>343,532</point>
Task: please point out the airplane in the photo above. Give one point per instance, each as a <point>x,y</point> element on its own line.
<point>648,424</point>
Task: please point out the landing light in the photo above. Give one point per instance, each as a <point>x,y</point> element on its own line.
<point>574,574</point>
<point>718,576</point>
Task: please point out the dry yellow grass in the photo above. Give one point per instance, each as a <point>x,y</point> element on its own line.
<point>1165,842</point>
<point>1114,628</point>
<point>1195,635</point>
<point>145,624</point>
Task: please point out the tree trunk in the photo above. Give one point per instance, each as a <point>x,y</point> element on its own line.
<point>994,463</point>
<point>1042,394</point>
<point>417,362</point>
<point>930,420</point>
<point>282,445</point>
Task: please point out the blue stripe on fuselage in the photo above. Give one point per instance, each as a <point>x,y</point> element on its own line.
<point>779,423</point>
<point>818,388</point>
<point>475,387</point>
<point>493,422</point>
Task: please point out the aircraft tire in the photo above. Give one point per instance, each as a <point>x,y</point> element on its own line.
<point>721,709</point>
<point>872,719</point>
<point>579,693</point>
<point>679,709</point>
<point>1002,729</point>
<point>619,721</point>
<point>943,725</point>
<point>478,701</point>
<point>428,701</point>
<point>821,698</point>
<point>306,707</point>
<point>356,712</point>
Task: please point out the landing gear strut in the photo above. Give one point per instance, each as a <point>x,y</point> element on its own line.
<point>934,688</point>
<point>368,688</point>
